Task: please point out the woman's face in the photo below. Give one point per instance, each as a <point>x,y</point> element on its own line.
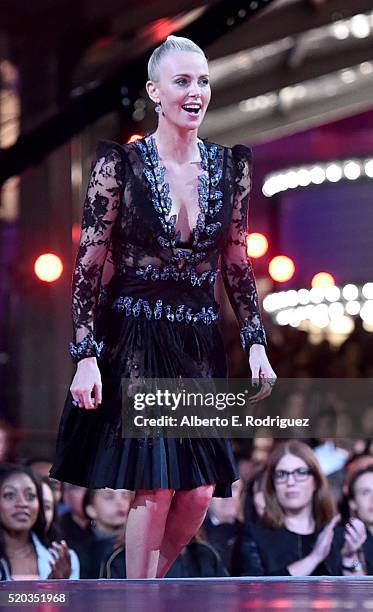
<point>19,504</point>
<point>110,508</point>
<point>362,502</point>
<point>183,80</point>
<point>292,494</point>
<point>48,502</point>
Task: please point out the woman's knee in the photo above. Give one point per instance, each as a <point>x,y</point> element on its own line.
<point>159,499</point>
<point>195,501</point>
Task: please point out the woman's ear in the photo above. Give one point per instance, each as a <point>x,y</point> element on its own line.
<point>91,512</point>
<point>152,91</point>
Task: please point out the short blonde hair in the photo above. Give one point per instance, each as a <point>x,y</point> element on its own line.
<point>172,43</point>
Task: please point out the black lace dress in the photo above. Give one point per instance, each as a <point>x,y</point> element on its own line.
<point>143,304</point>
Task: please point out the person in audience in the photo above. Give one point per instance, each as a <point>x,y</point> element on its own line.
<point>297,535</point>
<point>197,560</point>
<point>74,523</point>
<point>53,529</point>
<point>41,466</point>
<point>8,442</point>
<point>360,500</point>
<point>221,522</point>
<point>254,500</point>
<point>24,551</point>
<point>107,509</point>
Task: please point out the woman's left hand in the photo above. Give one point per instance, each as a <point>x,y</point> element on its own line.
<point>261,369</point>
<point>61,565</point>
<point>355,536</point>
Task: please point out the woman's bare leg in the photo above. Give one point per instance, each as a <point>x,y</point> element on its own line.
<point>186,515</point>
<point>145,530</point>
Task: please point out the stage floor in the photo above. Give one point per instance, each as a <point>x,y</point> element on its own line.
<point>195,595</point>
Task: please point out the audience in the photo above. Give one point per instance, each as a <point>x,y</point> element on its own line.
<point>107,509</point>
<point>74,523</point>
<point>24,547</point>
<point>297,534</point>
<point>360,501</point>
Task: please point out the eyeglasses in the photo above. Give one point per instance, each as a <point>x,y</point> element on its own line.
<point>300,475</point>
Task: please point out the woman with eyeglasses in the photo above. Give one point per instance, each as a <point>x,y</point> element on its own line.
<point>298,533</point>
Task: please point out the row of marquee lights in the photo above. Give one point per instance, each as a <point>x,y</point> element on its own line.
<point>317,174</point>
<point>323,306</point>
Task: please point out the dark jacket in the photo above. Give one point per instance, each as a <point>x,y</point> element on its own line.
<point>92,552</point>
<point>222,538</point>
<point>262,551</point>
<point>368,553</point>
<point>197,560</point>
<point>73,533</point>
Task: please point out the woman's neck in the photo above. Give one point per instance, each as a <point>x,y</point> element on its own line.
<point>300,521</point>
<point>177,145</point>
<point>15,540</point>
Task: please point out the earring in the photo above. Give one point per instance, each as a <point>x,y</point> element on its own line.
<point>158,108</point>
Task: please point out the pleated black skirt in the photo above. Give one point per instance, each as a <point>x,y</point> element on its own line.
<point>91,450</point>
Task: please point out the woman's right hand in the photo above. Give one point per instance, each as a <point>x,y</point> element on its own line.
<point>324,539</point>
<point>87,380</point>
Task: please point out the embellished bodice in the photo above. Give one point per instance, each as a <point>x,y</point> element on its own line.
<point>127,228</point>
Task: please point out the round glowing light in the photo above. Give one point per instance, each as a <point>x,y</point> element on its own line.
<point>369,168</point>
<point>367,291</point>
<point>342,325</point>
<point>319,316</point>
<point>48,267</point>
<point>291,179</point>
<point>333,173</point>
<point>304,177</point>
<point>350,292</point>
<point>366,312</point>
<point>303,296</point>
<point>257,245</point>
<point>291,297</point>
<point>316,295</point>
<point>352,307</point>
<point>352,170</point>
<point>282,317</point>
<point>360,26</point>
<point>332,293</point>
<point>134,137</point>
<point>317,174</point>
<point>340,30</point>
<point>322,279</point>
<point>281,268</point>
<point>336,310</point>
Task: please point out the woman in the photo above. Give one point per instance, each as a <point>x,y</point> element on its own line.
<point>297,537</point>
<point>159,212</point>
<point>53,531</point>
<point>23,543</point>
<point>360,503</point>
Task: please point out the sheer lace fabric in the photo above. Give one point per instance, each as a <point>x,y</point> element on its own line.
<point>127,229</point>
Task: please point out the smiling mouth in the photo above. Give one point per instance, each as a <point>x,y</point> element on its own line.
<point>192,109</point>
<point>21,515</point>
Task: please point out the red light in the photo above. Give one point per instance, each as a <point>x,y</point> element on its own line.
<point>48,267</point>
<point>322,279</point>
<point>257,245</point>
<point>281,268</point>
<point>75,233</point>
<point>134,137</point>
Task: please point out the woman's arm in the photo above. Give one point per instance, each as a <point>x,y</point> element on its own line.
<point>100,211</point>
<point>237,272</point>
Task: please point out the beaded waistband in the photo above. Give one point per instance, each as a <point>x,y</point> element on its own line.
<point>135,307</point>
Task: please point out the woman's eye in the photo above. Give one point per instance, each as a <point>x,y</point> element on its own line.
<point>205,81</point>
<point>181,81</point>
<point>31,496</point>
<point>8,495</point>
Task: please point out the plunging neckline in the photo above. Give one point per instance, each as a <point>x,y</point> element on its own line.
<point>164,191</point>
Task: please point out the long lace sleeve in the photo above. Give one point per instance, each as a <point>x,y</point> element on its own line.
<point>100,211</point>
<point>237,272</point>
